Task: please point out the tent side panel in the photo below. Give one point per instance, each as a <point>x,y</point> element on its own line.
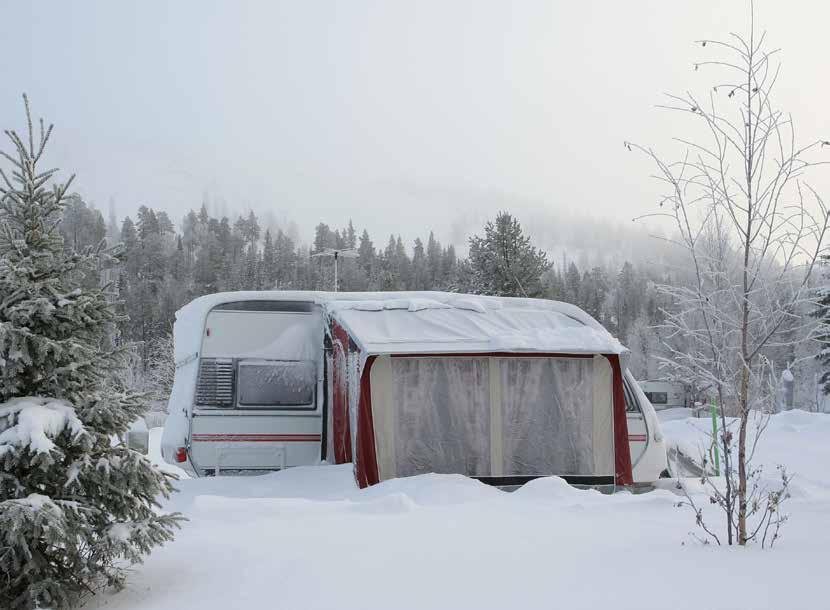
<point>622,450</point>
<point>328,428</point>
<point>603,417</point>
<point>384,416</point>
<point>340,429</point>
<point>366,461</point>
<point>377,421</point>
<point>545,425</point>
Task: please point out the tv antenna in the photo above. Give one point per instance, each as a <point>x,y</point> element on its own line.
<point>336,254</point>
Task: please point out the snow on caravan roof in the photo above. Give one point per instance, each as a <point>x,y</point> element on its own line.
<point>424,326</point>
<point>428,322</point>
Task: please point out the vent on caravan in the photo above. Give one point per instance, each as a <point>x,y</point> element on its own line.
<point>215,386</point>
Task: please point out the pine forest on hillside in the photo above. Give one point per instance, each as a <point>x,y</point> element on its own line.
<point>165,266</point>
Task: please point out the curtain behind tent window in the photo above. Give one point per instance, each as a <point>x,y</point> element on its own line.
<point>434,414</point>
<point>547,415</point>
<point>443,415</point>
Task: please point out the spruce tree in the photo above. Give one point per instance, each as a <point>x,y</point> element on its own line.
<point>504,263</point>
<point>420,271</point>
<point>366,259</point>
<point>268,269</point>
<point>286,261</point>
<point>77,507</point>
<point>433,253</point>
<point>822,312</point>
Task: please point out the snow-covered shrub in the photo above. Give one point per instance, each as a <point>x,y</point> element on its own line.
<point>161,368</point>
<point>76,507</point>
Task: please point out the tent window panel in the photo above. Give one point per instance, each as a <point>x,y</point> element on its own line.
<point>547,416</point>
<point>443,415</point>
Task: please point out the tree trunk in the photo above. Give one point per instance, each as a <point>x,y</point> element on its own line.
<point>742,455</point>
<point>749,161</point>
<point>727,468</point>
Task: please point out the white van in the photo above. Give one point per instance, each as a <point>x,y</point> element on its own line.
<point>252,389</point>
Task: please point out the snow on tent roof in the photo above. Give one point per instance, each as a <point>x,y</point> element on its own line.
<point>427,322</point>
<point>423,326</point>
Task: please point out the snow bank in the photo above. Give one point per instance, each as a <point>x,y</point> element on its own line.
<point>309,538</point>
<point>36,422</point>
<point>795,439</point>
<point>550,489</point>
<point>433,490</point>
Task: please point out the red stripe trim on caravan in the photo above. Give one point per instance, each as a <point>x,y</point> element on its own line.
<point>256,438</point>
<point>637,438</point>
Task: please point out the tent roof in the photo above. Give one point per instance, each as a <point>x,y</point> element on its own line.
<point>428,322</point>
<point>470,324</point>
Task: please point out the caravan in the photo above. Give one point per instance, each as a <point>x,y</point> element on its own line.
<point>502,389</point>
<point>664,394</point>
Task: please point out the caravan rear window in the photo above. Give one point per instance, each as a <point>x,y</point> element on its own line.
<point>657,398</point>
<point>276,383</point>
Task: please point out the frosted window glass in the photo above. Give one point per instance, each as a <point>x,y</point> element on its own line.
<point>276,383</point>
<point>443,415</point>
<point>547,416</point>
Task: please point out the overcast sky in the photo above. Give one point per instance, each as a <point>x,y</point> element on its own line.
<point>403,116</point>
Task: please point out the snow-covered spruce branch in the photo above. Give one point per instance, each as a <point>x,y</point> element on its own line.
<point>75,509</point>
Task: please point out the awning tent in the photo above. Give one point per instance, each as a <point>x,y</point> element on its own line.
<point>500,389</point>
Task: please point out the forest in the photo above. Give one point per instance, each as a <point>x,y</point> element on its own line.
<point>165,265</point>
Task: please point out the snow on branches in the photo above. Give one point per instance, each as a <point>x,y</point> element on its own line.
<point>77,507</point>
<point>752,228</point>
<point>35,423</point>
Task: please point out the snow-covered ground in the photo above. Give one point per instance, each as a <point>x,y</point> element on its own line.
<point>307,538</point>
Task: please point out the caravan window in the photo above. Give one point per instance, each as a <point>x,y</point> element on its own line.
<point>658,398</point>
<point>276,383</point>
<point>631,404</point>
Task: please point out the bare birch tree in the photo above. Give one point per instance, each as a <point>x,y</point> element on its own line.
<point>753,228</point>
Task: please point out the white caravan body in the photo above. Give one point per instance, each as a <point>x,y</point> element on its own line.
<point>251,394</point>
<point>251,386</point>
<point>665,394</point>
<point>648,447</point>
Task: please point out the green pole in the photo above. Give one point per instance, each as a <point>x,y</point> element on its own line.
<point>715,436</point>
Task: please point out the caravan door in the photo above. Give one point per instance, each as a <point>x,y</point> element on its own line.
<point>259,394</point>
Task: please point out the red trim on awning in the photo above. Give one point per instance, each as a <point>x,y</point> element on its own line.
<point>341,431</point>
<point>495,355</point>
<point>622,450</point>
<point>366,459</point>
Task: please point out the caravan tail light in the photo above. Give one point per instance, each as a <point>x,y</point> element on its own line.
<point>181,454</point>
